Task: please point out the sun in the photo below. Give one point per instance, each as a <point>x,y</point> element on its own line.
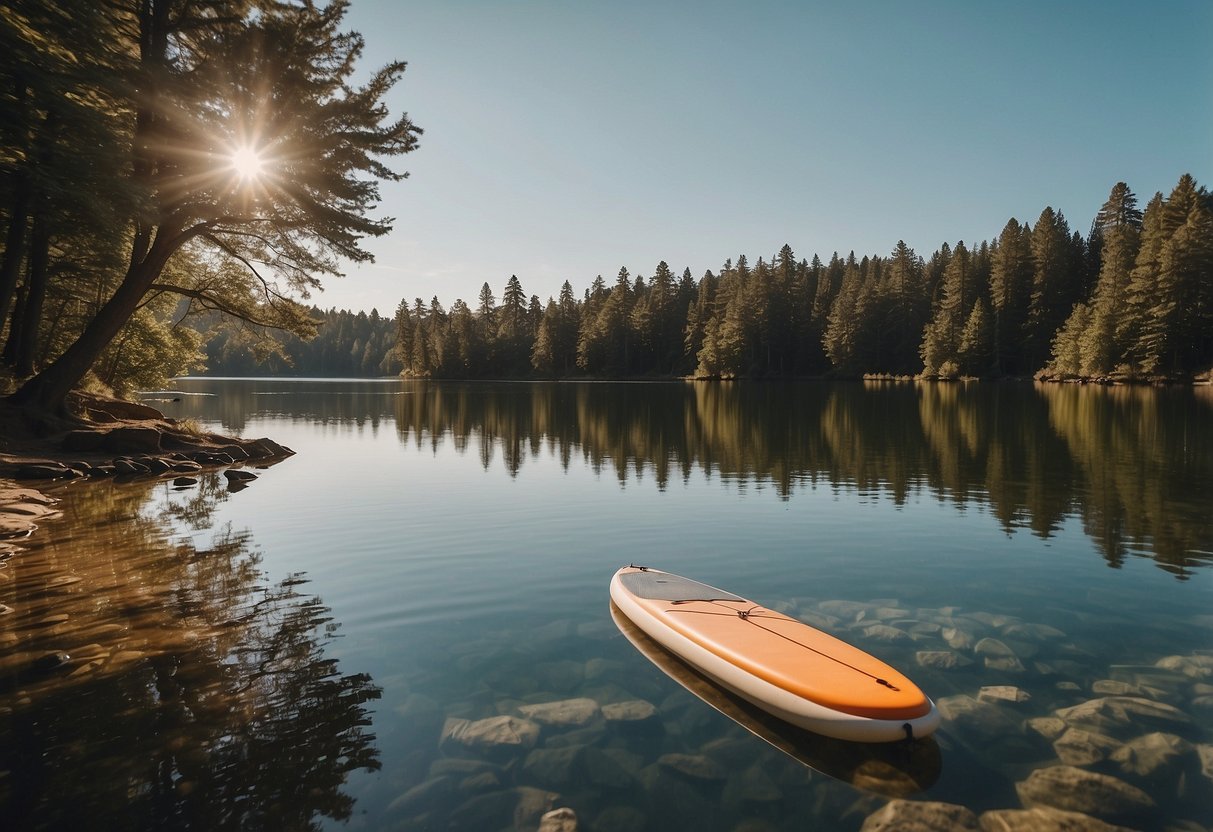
<point>247,163</point>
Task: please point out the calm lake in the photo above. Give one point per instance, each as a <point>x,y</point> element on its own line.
<point>358,638</point>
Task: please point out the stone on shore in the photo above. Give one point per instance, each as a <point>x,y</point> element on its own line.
<point>15,527</point>
<point>44,471</point>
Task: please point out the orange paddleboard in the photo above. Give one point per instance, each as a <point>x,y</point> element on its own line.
<point>784,666</point>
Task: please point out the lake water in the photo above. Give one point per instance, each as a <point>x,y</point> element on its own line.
<point>301,652</point>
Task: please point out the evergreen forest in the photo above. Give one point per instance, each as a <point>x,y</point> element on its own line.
<point>346,345</point>
<point>1132,299</point>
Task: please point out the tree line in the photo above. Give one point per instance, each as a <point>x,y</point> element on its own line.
<point>1131,299</point>
<point>346,345</point>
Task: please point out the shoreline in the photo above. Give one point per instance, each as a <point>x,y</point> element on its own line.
<point>111,439</point>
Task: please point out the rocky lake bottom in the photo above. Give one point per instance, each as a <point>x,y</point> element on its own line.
<point>1039,732</point>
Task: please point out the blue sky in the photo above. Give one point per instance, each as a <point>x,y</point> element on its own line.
<point>567,139</point>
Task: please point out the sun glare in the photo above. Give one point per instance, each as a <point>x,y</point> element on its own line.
<point>247,163</point>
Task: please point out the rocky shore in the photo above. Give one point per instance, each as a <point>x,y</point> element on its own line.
<point>112,438</point>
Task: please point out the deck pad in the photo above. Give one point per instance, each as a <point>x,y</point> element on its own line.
<point>662,586</point>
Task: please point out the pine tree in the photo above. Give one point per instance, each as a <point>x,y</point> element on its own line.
<point>1054,283</point>
<point>1010,291</point>
<point>1117,227</point>
<point>975,351</point>
<point>906,309</point>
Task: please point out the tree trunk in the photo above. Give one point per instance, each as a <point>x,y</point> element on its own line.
<point>14,246</point>
<point>47,391</point>
<point>27,341</point>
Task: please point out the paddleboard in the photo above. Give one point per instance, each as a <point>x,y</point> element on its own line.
<point>797,673</point>
<point>893,769</point>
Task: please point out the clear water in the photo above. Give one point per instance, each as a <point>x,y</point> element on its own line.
<point>289,654</point>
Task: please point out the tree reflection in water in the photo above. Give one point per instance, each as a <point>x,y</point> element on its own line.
<point>1134,464</point>
<point>194,695</point>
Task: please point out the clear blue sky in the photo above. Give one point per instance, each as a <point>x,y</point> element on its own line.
<point>566,139</point>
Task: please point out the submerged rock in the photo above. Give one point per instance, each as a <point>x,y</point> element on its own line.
<point>920,816</point>
<point>1049,727</point>
<point>1123,716</point>
<point>491,733</point>
<point>1033,632</point>
<point>981,721</point>
<point>1077,747</point>
<point>941,659</point>
<point>958,638</point>
<point>1003,693</point>
<point>632,711</point>
<point>843,610</point>
<point>1044,819</point>
<point>553,767</point>
<point>693,765</point>
<point>1156,758</point>
<point>567,713</point>
<point>1078,790</point>
<point>563,819</point>
<point>1114,687</point>
<point>998,656</point>
<point>518,808</point>
<point>885,634</point>
<point>1195,667</point>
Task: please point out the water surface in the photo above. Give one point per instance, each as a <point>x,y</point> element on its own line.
<point>290,654</point>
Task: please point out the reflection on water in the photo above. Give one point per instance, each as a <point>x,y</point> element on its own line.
<point>1135,463</point>
<point>149,682</point>
<point>896,769</point>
